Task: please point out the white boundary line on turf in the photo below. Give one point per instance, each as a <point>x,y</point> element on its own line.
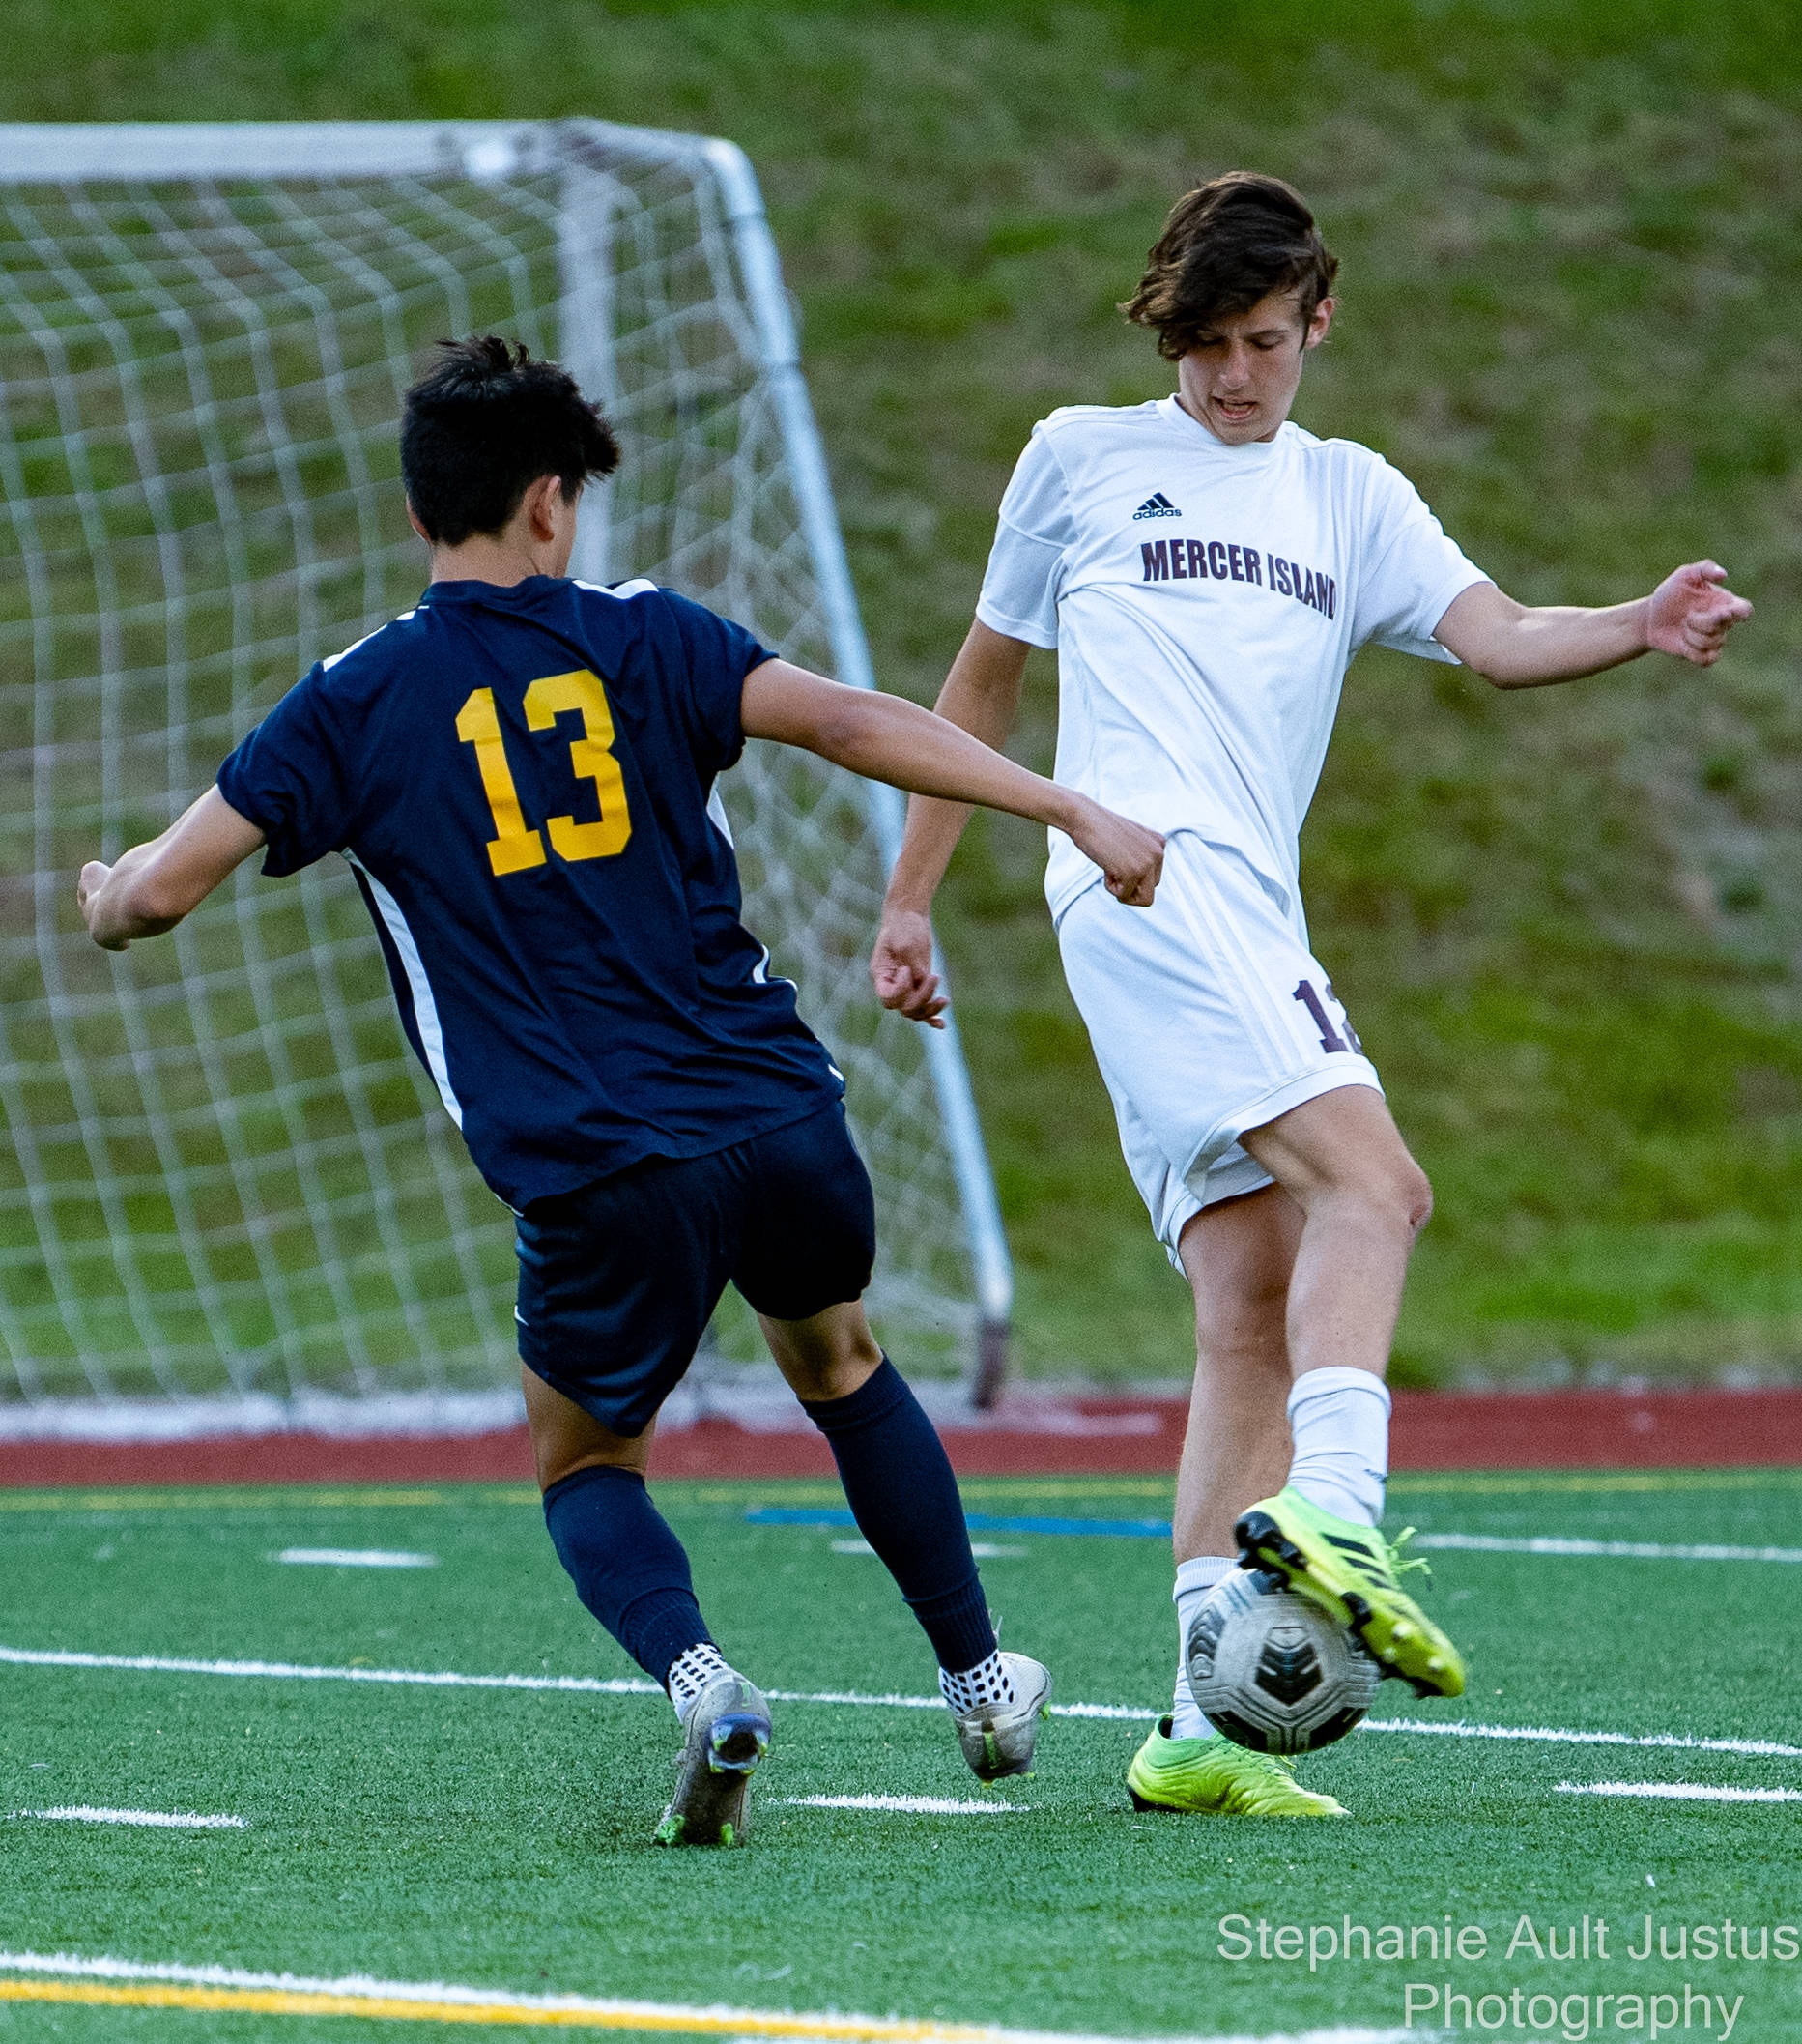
<point>289,1671</point>
<point>1625,1550</point>
<point>1764,1748</point>
<point>161,1820</point>
<point>445,1678</point>
<point>922,1805</point>
<point>661,2015</point>
<point>354,1557</point>
<point>628,1685</point>
<point>1678,1790</point>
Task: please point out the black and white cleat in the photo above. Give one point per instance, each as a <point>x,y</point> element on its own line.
<point>999,1738</point>
<point>726,1735</point>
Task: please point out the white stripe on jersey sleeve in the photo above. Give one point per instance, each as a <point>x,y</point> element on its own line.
<point>424,1006</point>
<point>638,587</point>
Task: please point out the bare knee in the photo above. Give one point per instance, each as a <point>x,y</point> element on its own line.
<point>1399,1197</point>
<point>566,1438</point>
<point>1414,1197</point>
<point>1342,1155</point>
<point>826,1357</point>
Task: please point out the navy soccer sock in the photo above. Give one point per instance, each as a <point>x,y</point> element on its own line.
<point>628,1567</point>
<point>904,1496</point>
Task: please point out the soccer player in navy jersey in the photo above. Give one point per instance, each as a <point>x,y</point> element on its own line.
<point>521,772</point>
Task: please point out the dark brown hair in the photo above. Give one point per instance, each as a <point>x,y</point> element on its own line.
<point>1225,245</point>
<point>480,427</point>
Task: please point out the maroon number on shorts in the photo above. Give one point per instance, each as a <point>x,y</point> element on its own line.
<point>1345,1022</point>
<point>1330,1037</point>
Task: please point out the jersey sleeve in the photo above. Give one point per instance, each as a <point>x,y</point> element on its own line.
<point>288,778</point>
<point>717,655</point>
<point>1025,565</point>
<point>1413,574</point>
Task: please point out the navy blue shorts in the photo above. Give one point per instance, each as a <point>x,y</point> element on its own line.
<point>618,1279</point>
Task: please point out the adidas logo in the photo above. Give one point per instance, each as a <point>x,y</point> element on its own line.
<point>1157,505</point>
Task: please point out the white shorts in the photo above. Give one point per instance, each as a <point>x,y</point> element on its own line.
<point>1209,1015</point>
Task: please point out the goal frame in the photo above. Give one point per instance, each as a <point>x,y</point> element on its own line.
<point>193,152</point>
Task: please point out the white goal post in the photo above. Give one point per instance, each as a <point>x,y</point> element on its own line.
<point>225,1178</point>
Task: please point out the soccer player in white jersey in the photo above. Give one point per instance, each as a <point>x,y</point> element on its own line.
<point>1207,570</point>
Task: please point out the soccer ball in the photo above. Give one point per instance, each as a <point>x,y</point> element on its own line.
<point>1271,1671</point>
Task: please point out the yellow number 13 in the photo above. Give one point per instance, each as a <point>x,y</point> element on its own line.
<point>514,845</point>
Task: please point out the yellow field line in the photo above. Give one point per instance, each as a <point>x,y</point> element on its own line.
<point>705,1492</point>
<point>805,1491</point>
<point>1598,1483</point>
<point>677,2021</point>
<point>213,1498</point>
<point>1069,1487</point>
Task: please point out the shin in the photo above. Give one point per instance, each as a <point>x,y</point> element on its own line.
<point>629,1568</point>
<point>898,1481</point>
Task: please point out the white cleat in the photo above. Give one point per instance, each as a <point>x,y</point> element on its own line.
<point>998,1738</point>
<point>727,1734</point>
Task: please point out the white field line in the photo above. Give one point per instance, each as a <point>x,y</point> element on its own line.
<point>716,2020</point>
<point>983,1550</point>
<point>927,1805</point>
<point>160,1820</point>
<point>1765,1748</point>
<point>354,1557</point>
<point>1622,1550</point>
<point>445,1679</point>
<point>1678,1790</point>
<point>288,1671</point>
<point>629,1686</point>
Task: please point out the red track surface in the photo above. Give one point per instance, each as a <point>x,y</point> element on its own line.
<point>1564,1429</point>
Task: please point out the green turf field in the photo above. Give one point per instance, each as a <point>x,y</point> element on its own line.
<point>1565,923</point>
<point>498,1839</point>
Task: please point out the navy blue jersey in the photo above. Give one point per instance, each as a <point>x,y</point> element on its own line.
<point>519,779</point>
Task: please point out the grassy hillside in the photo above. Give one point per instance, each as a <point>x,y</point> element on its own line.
<point>1565,923</point>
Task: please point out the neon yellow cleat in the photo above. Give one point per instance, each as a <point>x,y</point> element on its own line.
<point>1350,1571</point>
<point>1212,1775</point>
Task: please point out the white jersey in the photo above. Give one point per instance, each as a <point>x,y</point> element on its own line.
<point>1205,601</point>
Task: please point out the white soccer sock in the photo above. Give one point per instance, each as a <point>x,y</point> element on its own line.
<point>691,1674</point>
<point>1194,1578</point>
<point>1341,1420</point>
<point>987,1682</point>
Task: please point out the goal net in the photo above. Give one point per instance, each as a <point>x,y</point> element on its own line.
<point>225,1177</point>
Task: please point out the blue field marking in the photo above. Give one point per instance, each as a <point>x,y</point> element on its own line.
<point>823,1516</point>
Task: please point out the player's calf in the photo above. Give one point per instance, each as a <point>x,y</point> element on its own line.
<point>630,1571</point>
<point>899,1484</point>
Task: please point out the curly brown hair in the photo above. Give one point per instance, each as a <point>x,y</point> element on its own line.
<point>1224,246</point>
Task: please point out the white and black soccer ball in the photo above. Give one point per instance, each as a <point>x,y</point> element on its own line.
<point>1271,1671</point>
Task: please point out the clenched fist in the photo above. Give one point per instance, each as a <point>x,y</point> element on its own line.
<point>1689,613</point>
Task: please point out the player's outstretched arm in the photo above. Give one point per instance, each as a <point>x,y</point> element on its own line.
<point>1688,615</point>
<point>155,885</point>
<point>982,694</point>
<point>888,739</point>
